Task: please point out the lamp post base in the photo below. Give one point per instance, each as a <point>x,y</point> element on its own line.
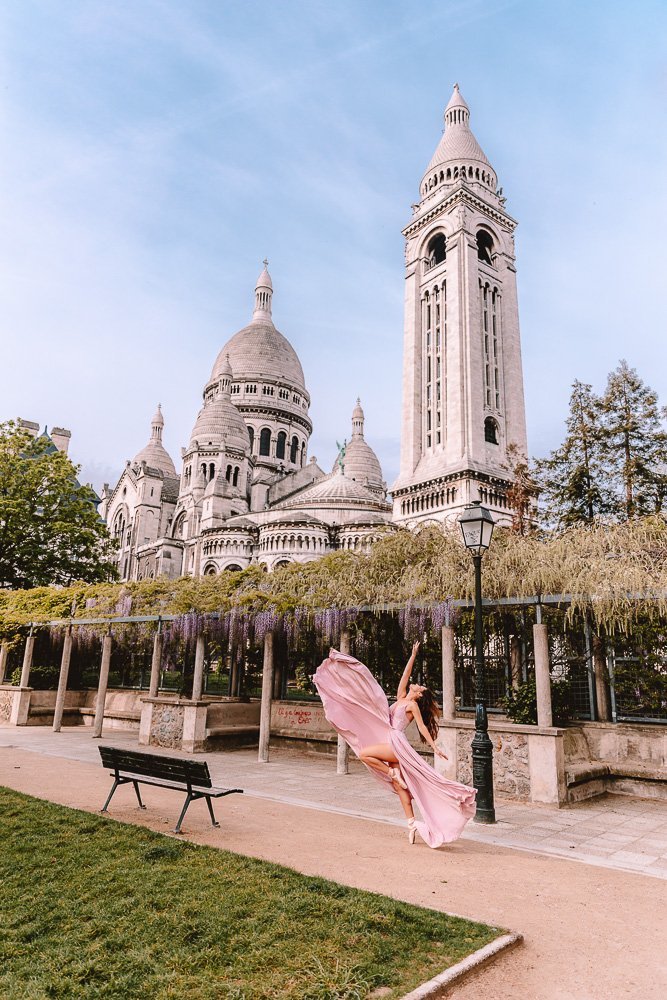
<point>482,776</point>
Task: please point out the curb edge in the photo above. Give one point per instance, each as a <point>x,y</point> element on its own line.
<point>456,973</point>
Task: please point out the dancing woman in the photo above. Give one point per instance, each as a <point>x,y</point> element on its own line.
<point>357,708</point>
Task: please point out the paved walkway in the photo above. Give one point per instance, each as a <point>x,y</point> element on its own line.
<point>615,831</point>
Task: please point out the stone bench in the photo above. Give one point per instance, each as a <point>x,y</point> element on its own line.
<point>585,779</point>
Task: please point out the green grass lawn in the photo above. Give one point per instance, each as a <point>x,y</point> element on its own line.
<point>90,907</point>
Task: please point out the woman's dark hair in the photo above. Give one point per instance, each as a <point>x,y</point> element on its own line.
<point>430,711</point>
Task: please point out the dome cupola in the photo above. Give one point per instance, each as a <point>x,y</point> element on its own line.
<point>155,454</point>
<point>459,157</point>
<point>358,460</point>
<point>219,422</point>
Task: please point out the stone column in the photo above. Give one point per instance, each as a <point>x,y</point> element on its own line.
<point>198,681</point>
<point>542,678</point>
<point>601,680</point>
<point>27,660</point>
<point>62,682</point>
<point>448,672</point>
<point>102,686</point>
<point>267,693</point>
<point>156,662</point>
<point>343,750</point>
<point>4,653</point>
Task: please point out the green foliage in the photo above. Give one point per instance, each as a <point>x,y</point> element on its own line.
<point>521,703</point>
<point>612,461</point>
<point>94,908</point>
<point>572,479</point>
<point>50,532</point>
<point>635,444</point>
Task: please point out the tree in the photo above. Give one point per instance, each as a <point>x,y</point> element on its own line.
<point>522,494</point>
<point>573,479</point>
<point>50,531</point>
<point>635,444</point>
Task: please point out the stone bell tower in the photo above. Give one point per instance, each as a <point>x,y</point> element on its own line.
<point>463,402</point>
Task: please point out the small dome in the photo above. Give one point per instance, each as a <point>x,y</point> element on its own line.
<point>264,280</point>
<point>219,419</point>
<point>360,462</point>
<point>155,455</point>
<point>219,422</point>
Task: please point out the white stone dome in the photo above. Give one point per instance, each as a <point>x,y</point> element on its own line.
<point>360,462</point>
<point>259,351</point>
<point>155,455</point>
<point>219,422</point>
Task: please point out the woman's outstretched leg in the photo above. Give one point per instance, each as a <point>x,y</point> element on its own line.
<point>380,757</point>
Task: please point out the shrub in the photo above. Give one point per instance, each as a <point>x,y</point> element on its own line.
<point>521,703</point>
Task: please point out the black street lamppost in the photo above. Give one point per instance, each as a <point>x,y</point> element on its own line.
<point>477,527</point>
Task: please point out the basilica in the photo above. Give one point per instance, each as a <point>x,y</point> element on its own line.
<point>246,491</point>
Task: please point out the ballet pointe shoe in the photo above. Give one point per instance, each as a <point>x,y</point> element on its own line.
<point>396,776</point>
<point>412,830</point>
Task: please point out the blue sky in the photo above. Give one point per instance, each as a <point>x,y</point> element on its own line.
<point>155,151</point>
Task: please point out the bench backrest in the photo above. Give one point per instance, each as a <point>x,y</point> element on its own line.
<point>151,765</point>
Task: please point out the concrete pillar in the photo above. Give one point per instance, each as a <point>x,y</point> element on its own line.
<point>542,678</point>
<point>102,687</point>
<point>198,681</point>
<point>27,660</point>
<point>62,683</point>
<point>4,653</point>
<point>448,672</point>
<point>156,663</point>
<point>343,750</point>
<point>601,680</point>
<point>267,693</point>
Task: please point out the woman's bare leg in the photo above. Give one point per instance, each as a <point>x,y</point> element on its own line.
<point>380,757</point>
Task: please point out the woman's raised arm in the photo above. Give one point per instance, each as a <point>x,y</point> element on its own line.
<point>403,686</point>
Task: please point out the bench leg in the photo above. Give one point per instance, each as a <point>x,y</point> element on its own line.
<point>116,783</point>
<point>177,828</point>
<point>210,809</point>
<point>136,788</point>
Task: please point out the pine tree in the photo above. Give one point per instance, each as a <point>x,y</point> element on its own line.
<point>572,480</point>
<point>635,444</point>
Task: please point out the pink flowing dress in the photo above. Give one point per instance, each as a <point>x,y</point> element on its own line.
<point>357,708</point>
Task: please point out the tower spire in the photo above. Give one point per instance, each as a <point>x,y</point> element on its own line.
<point>263,294</point>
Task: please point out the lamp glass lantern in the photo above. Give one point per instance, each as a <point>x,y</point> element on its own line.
<point>477,527</point>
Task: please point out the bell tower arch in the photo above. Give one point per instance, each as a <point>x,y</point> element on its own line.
<point>463,401</point>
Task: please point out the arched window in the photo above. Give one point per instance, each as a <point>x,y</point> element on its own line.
<point>280,444</point>
<point>236,476</point>
<point>436,250</point>
<point>294,450</point>
<point>210,570</point>
<point>265,441</point>
<point>228,473</point>
<point>484,245</point>
<point>203,469</point>
<point>251,435</point>
<point>303,453</point>
<point>490,431</point>
<point>211,470</point>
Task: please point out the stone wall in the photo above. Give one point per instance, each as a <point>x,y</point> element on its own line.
<point>167,726</point>
<point>511,767</point>
<point>6,705</point>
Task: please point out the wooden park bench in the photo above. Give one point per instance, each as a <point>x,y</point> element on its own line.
<point>190,776</point>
